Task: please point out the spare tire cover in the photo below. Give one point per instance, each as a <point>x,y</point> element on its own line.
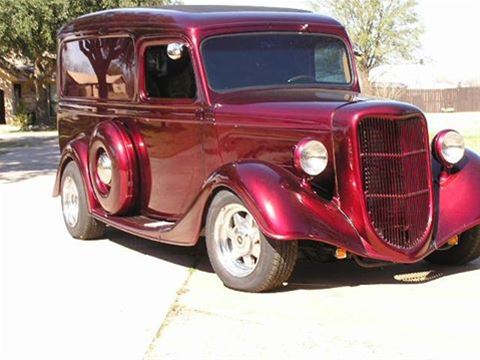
<point>111,138</point>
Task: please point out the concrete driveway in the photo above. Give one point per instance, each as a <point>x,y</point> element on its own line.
<point>69,299</point>
<point>127,298</point>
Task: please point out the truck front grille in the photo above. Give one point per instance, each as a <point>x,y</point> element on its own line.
<point>395,160</point>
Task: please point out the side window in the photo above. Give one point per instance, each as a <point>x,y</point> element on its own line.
<point>99,68</point>
<point>331,62</point>
<point>169,76</point>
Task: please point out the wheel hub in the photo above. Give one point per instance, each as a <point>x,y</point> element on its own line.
<point>104,168</point>
<point>238,240</point>
<point>243,245</point>
<point>70,201</point>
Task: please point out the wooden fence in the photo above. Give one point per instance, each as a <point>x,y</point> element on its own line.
<point>459,99</point>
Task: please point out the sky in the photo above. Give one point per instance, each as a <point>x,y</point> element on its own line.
<point>450,41</point>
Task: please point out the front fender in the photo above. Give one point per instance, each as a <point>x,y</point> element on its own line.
<point>76,150</point>
<point>285,207</point>
<point>458,199</point>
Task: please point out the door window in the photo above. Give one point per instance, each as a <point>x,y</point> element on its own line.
<point>169,75</point>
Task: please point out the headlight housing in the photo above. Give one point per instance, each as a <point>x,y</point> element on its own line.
<point>449,147</point>
<point>311,157</point>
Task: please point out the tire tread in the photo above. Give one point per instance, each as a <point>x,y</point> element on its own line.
<point>282,266</point>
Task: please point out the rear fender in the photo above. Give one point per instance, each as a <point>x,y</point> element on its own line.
<point>76,150</point>
<point>457,198</point>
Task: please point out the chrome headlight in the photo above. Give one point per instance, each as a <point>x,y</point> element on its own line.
<point>104,168</point>
<point>449,147</point>
<point>311,157</point>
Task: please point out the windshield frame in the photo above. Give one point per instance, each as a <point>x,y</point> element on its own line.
<point>325,86</point>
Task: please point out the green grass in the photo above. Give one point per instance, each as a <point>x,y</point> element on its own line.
<point>473,142</point>
<point>8,129</point>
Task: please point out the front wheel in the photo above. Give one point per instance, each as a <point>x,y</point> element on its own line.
<point>468,249</point>
<point>240,254</point>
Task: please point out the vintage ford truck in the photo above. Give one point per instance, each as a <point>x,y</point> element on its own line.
<point>246,125</point>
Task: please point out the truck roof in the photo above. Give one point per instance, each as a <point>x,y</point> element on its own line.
<point>193,16</point>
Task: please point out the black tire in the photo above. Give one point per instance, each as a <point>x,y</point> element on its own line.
<point>274,265</point>
<point>468,249</point>
<point>86,227</point>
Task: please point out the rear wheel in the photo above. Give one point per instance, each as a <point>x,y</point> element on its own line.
<point>468,249</point>
<point>80,224</point>
<point>240,254</point>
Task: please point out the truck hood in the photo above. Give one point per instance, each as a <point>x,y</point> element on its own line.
<point>298,107</point>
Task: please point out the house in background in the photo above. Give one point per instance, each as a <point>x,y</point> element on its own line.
<point>17,92</point>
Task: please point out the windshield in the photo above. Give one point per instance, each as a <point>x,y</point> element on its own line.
<point>275,59</point>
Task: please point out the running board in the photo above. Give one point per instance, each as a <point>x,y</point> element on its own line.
<point>141,226</point>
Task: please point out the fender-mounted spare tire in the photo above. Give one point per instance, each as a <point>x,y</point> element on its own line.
<point>111,139</point>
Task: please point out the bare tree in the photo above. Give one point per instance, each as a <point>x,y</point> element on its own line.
<point>384,30</point>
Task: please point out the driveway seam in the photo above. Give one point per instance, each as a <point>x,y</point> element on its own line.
<point>174,309</point>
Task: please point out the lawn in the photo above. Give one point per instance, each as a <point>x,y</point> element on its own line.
<point>467,123</point>
<point>6,129</point>
<point>473,142</point>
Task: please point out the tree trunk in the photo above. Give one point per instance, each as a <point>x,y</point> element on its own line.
<point>365,85</point>
<point>102,83</point>
<point>41,94</point>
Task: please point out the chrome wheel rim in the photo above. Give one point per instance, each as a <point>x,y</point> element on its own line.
<point>70,202</point>
<point>237,239</point>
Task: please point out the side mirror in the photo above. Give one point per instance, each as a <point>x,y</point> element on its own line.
<point>357,51</point>
<point>175,51</point>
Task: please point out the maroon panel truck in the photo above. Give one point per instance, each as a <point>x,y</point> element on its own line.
<point>246,125</point>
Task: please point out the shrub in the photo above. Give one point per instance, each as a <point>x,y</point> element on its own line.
<point>22,118</point>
